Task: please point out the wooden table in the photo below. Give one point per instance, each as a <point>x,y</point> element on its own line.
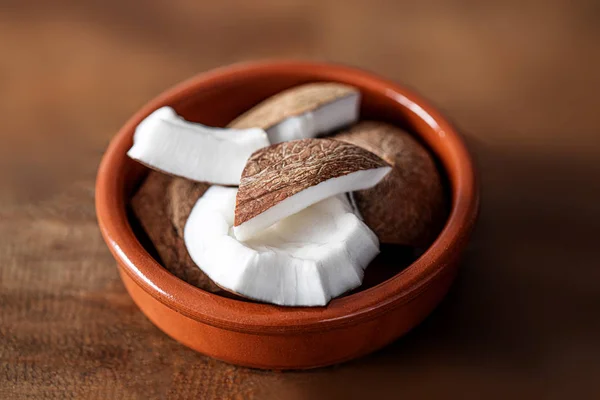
<point>520,79</point>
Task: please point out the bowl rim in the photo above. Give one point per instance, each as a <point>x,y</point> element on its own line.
<point>250,317</point>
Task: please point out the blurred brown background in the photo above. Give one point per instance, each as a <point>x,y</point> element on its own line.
<point>519,78</point>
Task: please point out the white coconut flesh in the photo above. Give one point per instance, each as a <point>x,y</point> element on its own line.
<point>324,119</point>
<point>303,260</point>
<point>359,180</point>
<point>166,142</point>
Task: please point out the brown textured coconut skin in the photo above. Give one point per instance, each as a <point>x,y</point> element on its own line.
<point>408,207</point>
<point>162,205</point>
<point>291,102</point>
<point>182,195</point>
<point>274,173</point>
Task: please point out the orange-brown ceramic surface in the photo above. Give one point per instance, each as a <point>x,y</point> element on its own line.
<point>268,336</point>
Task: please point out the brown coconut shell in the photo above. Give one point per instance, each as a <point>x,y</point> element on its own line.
<point>274,173</point>
<point>409,206</point>
<point>292,102</point>
<point>162,204</point>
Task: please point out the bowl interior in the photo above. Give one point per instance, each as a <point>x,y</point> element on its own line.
<point>215,99</point>
<point>218,107</point>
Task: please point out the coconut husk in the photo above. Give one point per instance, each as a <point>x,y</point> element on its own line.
<point>409,206</point>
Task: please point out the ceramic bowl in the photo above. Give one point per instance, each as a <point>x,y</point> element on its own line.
<point>268,336</point>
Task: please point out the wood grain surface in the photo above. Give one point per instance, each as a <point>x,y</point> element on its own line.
<point>519,78</point>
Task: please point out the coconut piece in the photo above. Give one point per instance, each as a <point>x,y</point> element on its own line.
<point>303,111</point>
<point>409,206</point>
<point>303,260</point>
<point>285,178</point>
<point>168,143</point>
<point>182,194</point>
<point>156,214</point>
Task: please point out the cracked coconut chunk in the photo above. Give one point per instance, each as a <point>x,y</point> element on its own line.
<point>166,142</point>
<point>303,260</point>
<point>283,179</point>
<point>303,111</point>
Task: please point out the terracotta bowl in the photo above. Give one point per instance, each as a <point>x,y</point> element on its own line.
<point>267,336</point>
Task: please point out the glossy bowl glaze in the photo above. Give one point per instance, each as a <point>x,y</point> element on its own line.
<point>267,336</point>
